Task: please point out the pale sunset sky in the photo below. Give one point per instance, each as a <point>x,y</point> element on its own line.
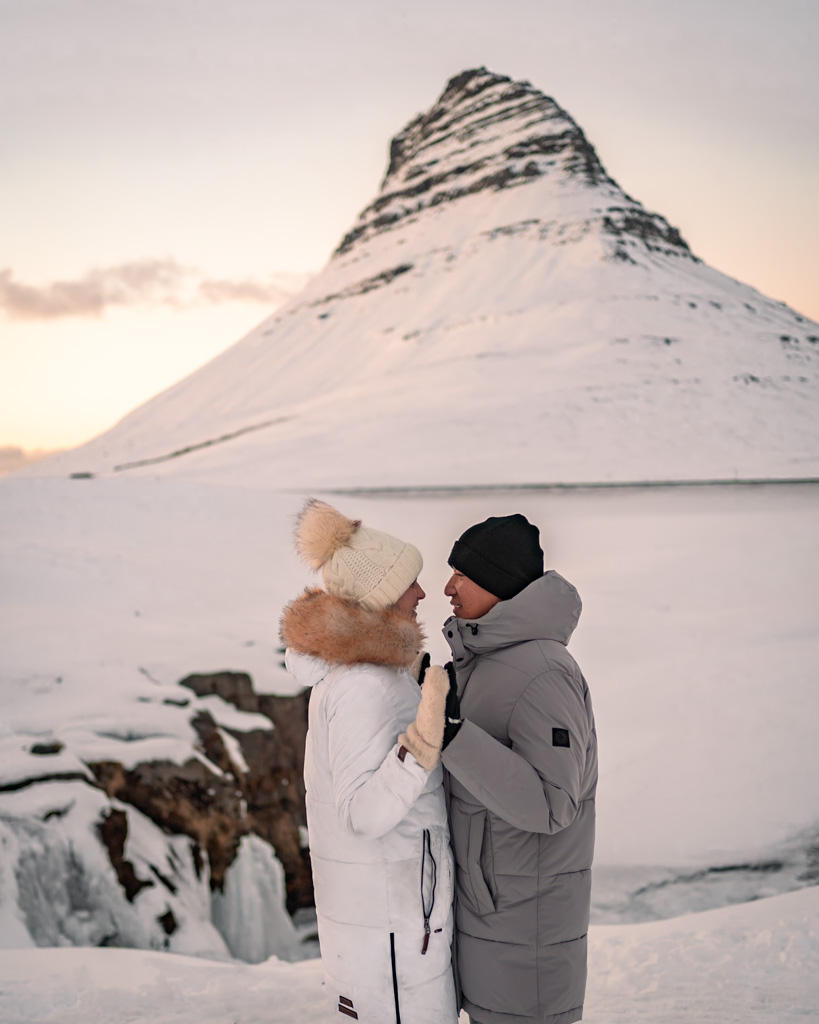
<point>171,169</point>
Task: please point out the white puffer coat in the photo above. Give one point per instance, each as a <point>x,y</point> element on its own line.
<point>379,840</point>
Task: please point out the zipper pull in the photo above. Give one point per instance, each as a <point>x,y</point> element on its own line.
<point>425,946</point>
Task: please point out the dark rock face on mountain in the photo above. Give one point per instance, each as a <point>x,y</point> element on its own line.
<point>489,133</point>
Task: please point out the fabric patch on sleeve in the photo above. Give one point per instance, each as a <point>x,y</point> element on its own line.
<point>560,738</point>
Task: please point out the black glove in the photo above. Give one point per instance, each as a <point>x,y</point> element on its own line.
<point>453,720</point>
<point>419,667</point>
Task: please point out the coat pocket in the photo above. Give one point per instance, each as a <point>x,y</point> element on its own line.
<point>437,876</point>
<point>477,857</point>
<point>429,884</point>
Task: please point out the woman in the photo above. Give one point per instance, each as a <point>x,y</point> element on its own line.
<point>376,814</point>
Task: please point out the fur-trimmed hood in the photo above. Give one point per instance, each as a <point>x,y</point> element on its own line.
<point>341,632</point>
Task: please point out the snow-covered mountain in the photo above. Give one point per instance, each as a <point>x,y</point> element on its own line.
<point>502,313</point>
<point>500,295</point>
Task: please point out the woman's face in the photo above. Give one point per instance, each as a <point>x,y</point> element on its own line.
<point>408,601</point>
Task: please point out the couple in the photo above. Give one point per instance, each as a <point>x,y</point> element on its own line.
<point>496,750</point>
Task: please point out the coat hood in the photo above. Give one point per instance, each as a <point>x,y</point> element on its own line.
<point>306,670</point>
<point>335,630</point>
<point>547,609</point>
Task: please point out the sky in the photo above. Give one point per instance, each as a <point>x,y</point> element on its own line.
<point>171,171</point>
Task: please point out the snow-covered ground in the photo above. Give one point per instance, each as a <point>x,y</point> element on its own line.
<point>700,641</point>
<point>699,638</point>
<point>749,964</point>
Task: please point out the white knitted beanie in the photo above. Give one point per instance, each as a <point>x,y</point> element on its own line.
<point>363,565</point>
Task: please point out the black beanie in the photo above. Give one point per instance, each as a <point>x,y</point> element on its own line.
<point>502,555</point>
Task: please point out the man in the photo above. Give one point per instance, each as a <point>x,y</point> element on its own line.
<point>521,780</point>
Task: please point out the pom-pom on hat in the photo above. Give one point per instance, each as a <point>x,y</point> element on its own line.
<point>364,565</point>
<point>502,554</point>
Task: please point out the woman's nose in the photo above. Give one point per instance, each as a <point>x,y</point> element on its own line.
<point>421,592</point>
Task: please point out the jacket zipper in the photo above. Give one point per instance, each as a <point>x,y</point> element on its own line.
<point>394,978</point>
<point>426,851</point>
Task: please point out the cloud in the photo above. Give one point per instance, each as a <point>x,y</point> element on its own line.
<point>278,289</point>
<point>139,283</point>
<point>154,282</point>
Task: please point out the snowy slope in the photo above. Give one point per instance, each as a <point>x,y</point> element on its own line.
<point>754,964</point>
<point>503,304</point>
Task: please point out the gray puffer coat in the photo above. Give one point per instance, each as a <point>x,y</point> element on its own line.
<point>521,781</point>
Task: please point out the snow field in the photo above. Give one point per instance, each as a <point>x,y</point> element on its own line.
<point>699,639</point>
<point>749,964</point>
<point>699,636</point>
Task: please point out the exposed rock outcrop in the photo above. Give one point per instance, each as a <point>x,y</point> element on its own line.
<point>273,787</point>
<point>113,831</point>
<point>220,798</point>
<point>487,132</point>
<point>185,799</point>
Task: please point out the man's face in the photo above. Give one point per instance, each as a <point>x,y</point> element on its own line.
<point>468,600</point>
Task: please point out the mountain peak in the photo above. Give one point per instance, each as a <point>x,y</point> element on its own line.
<point>501,313</point>
<point>489,133</point>
<point>478,99</point>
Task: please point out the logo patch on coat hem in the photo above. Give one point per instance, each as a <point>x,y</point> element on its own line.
<point>560,738</point>
<point>345,1005</point>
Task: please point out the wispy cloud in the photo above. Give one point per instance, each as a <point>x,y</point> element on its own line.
<point>139,283</point>
<point>154,282</point>
<point>217,291</point>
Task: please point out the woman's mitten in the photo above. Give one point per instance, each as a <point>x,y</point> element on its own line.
<point>425,735</point>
